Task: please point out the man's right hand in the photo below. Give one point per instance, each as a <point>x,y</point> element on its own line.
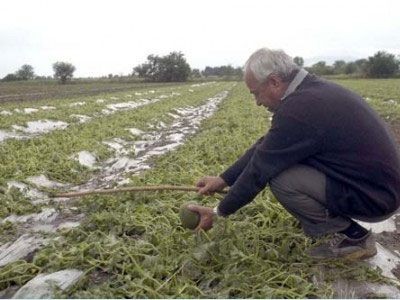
<point>210,184</point>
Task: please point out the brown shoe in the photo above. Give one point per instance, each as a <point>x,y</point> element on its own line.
<point>341,246</point>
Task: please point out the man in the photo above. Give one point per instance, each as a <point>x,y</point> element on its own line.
<point>328,159</point>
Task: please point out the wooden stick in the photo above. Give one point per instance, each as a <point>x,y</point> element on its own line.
<point>153,188</point>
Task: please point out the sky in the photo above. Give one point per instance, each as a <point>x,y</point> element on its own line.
<point>100,37</point>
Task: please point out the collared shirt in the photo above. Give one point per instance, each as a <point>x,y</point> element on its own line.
<point>295,83</point>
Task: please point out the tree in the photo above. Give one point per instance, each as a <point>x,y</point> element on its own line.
<point>25,72</point>
<point>350,68</point>
<point>321,68</point>
<point>63,71</point>
<point>10,77</point>
<point>195,73</point>
<point>227,70</point>
<point>169,68</point>
<point>382,65</point>
<point>362,66</point>
<point>298,61</point>
<point>339,67</point>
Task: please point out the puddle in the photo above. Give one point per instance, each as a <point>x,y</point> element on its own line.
<point>77,104</point>
<point>43,286</point>
<point>385,260</point>
<point>68,225</point>
<point>135,131</point>
<point>26,110</point>
<point>5,113</point>
<point>31,193</point>
<point>387,225</point>
<point>81,118</point>
<point>46,216</point>
<point>363,290</point>
<point>41,126</point>
<point>116,144</point>
<point>43,181</point>
<point>202,84</point>
<point>20,249</point>
<point>86,159</point>
<point>130,104</point>
<point>141,146</point>
<point>4,135</point>
<point>45,107</point>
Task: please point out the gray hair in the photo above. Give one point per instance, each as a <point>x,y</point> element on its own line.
<point>264,62</point>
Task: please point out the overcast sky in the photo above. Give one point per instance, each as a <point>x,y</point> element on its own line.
<point>101,37</point>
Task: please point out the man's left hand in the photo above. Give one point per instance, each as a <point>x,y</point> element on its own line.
<point>206,216</point>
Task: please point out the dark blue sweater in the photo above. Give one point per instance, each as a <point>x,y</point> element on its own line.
<point>332,129</point>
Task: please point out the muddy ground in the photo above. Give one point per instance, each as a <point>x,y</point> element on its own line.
<point>52,90</point>
<point>391,240</point>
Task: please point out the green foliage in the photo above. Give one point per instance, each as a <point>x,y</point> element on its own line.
<point>13,201</point>
<point>227,70</point>
<point>350,68</point>
<point>17,273</point>
<point>298,60</point>
<point>321,68</point>
<point>10,77</point>
<point>25,72</point>
<point>382,65</point>
<point>195,73</point>
<point>169,68</point>
<point>132,245</point>
<point>51,154</point>
<point>63,71</point>
<point>339,67</point>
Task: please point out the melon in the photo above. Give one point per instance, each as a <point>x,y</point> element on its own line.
<point>189,219</point>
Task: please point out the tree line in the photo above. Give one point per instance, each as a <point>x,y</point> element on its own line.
<point>174,68</point>
<point>63,71</point>
<point>381,65</point>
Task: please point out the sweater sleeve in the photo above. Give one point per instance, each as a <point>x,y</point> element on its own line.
<point>289,141</point>
<point>234,171</point>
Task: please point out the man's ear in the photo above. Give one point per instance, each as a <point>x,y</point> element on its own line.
<point>275,80</point>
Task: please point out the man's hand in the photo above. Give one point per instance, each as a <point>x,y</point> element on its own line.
<point>210,184</point>
<point>206,216</point>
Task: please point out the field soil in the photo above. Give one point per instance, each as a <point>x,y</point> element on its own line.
<point>391,240</point>
<point>25,91</point>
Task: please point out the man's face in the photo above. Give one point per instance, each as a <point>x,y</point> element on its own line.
<point>267,93</point>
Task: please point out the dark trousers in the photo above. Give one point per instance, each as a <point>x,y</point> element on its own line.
<point>301,191</point>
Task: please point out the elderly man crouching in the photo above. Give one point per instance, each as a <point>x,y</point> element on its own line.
<point>328,158</point>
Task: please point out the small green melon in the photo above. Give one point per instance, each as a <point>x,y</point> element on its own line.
<point>189,219</point>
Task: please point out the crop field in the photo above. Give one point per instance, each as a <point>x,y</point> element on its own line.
<point>132,245</point>
<point>45,89</point>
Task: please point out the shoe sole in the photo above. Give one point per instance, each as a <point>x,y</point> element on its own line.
<point>360,255</point>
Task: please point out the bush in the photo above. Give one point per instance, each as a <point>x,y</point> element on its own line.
<point>10,77</point>
<point>170,68</point>
<point>382,65</point>
<point>63,71</point>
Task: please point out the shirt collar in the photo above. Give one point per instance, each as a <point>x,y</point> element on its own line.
<point>295,83</point>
